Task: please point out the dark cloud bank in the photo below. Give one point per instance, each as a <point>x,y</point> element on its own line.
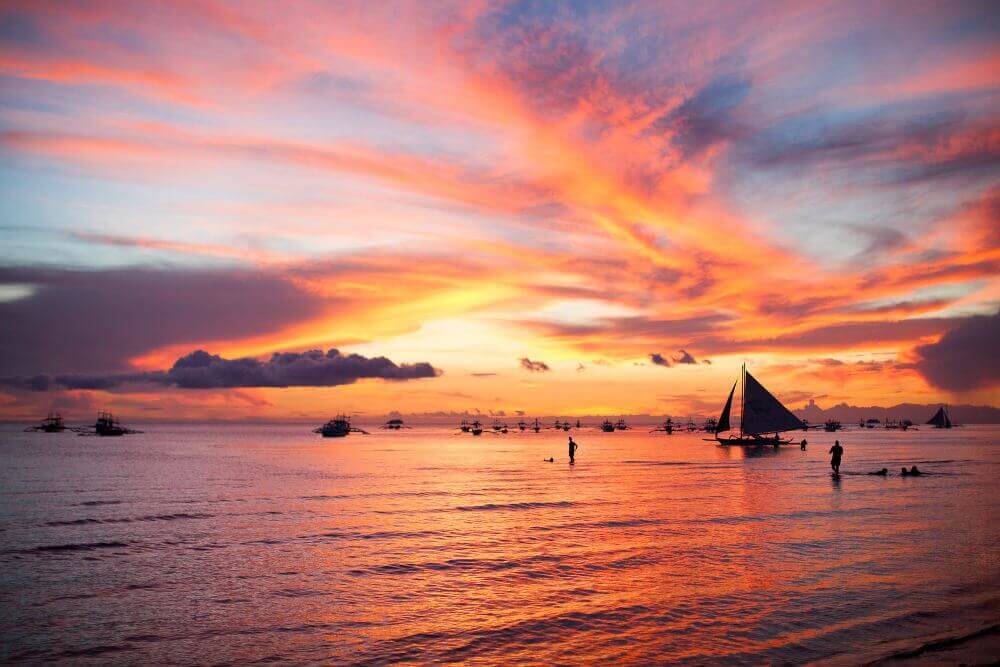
<point>80,321</point>
<point>201,370</point>
<point>965,358</point>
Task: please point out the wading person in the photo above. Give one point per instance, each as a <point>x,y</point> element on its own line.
<point>837,451</point>
<point>572,450</point>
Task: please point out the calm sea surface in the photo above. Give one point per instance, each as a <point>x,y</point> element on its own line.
<point>231,544</point>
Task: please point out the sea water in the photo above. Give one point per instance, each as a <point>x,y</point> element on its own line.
<point>244,542</point>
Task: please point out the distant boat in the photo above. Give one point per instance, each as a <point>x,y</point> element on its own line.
<point>607,426</point>
<point>832,425</point>
<point>394,425</point>
<point>476,428</point>
<point>872,423</point>
<point>666,427</point>
<point>464,426</point>
<point>536,427</point>
<point>762,414</point>
<point>522,425</point>
<point>107,426</point>
<point>53,423</point>
<point>622,426</point>
<point>941,419</point>
<point>710,425</point>
<point>339,427</point>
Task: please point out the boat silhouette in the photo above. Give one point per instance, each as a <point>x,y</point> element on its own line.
<point>53,423</point>
<point>762,417</point>
<point>338,427</point>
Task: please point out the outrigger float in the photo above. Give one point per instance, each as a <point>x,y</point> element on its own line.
<point>762,417</point>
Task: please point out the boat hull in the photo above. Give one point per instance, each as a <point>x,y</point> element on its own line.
<point>751,442</point>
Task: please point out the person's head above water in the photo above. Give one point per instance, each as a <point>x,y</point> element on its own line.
<point>836,442</point>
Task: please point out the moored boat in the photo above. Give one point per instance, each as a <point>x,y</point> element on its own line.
<point>107,426</point>
<point>338,427</point>
<point>53,423</point>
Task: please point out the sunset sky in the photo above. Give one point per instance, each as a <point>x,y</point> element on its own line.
<point>560,208</point>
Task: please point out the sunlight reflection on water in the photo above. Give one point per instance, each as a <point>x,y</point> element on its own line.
<point>215,543</point>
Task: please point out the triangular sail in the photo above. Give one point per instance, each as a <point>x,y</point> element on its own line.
<point>763,413</point>
<point>940,419</point>
<point>723,424</point>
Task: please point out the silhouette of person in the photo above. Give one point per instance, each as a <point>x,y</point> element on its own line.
<point>837,451</point>
<point>549,460</point>
<point>884,472</point>
<point>572,450</point>
<point>913,471</point>
<point>802,445</point>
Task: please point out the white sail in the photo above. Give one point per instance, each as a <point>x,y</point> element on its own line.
<point>763,413</point>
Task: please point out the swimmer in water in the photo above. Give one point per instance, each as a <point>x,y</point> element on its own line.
<point>884,472</point>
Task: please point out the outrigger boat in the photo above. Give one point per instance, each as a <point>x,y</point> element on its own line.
<point>53,423</point>
<point>394,425</point>
<point>666,427</point>
<point>536,427</point>
<point>762,417</point>
<point>607,426</point>
<point>339,427</point>
<point>476,428</point>
<point>711,425</point>
<point>464,426</point>
<point>106,425</point>
<point>832,425</point>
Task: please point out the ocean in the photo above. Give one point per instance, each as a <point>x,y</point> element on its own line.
<point>239,543</point>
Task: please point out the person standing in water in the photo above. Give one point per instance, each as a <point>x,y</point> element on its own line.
<point>572,450</point>
<point>837,452</point>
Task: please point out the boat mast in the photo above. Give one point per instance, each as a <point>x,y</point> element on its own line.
<point>743,395</point>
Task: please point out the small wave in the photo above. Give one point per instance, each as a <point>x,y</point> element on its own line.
<point>514,506</point>
<point>156,517</point>
<point>92,651</point>
<point>81,546</point>
<point>938,645</point>
<point>662,463</point>
<point>98,503</point>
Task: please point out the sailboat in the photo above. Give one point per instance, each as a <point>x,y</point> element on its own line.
<point>941,419</point>
<point>762,418</point>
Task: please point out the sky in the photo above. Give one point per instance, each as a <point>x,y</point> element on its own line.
<point>288,210</point>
